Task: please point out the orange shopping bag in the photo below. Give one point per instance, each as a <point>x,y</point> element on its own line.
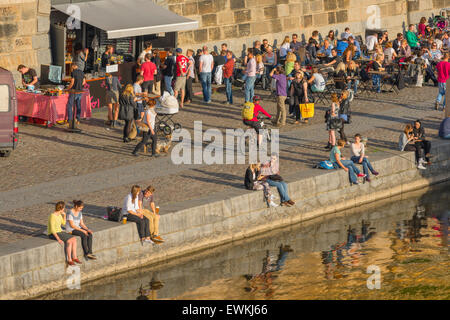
<point>307,110</point>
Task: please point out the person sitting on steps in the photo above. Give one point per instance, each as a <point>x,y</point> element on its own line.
<point>359,156</point>
<point>254,181</point>
<point>146,200</point>
<point>340,162</point>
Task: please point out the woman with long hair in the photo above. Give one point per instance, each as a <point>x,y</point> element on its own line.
<point>332,38</point>
<point>332,114</point>
<point>359,156</point>
<point>285,48</point>
<point>298,93</point>
<point>76,227</point>
<point>352,73</point>
<point>54,231</point>
<point>128,102</point>
<point>253,181</point>
<point>406,142</point>
<point>133,213</point>
<point>349,53</point>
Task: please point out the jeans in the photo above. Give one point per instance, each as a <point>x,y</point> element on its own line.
<point>365,163</point>
<point>425,145</point>
<point>354,84</point>
<point>352,169</point>
<point>442,88</point>
<point>205,78</point>
<point>74,97</point>
<point>376,80</point>
<point>86,241</point>
<point>282,189</point>
<point>249,88</point>
<point>168,84</point>
<point>228,90</point>
<point>141,224</point>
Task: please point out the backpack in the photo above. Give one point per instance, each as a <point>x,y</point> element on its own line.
<point>326,164</point>
<point>114,213</point>
<point>248,111</point>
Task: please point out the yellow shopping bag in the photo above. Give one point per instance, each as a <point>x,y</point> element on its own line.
<point>307,110</point>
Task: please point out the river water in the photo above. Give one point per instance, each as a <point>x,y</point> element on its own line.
<point>395,249</point>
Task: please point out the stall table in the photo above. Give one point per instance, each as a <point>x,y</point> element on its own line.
<point>49,108</point>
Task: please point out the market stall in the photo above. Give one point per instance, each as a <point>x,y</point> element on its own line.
<point>125,25</point>
<point>49,109</point>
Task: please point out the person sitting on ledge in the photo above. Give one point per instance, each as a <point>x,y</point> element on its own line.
<point>406,143</point>
<point>359,156</point>
<point>54,231</point>
<point>253,181</point>
<point>146,200</point>
<point>420,141</point>
<point>76,227</point>
<point>348,165</point>
<point>271,173</point>
<point>133,213</point>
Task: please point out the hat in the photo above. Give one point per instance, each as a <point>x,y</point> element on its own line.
<point>256,98</point>
<point>179,50</point>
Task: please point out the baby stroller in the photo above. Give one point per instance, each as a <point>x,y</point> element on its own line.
<point>165,109</point>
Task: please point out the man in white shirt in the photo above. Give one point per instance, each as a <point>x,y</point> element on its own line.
<point>206,65</point>
<point>371,41</point>
<point>148,49</point>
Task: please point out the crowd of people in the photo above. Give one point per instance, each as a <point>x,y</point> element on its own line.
<point>296,73</point>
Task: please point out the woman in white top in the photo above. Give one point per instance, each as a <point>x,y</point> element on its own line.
<point>133,213</point>
<point>75,226</point>
<point>148,127</point>
<point>389,53</point>
<point>359,156</point>
<point>285,47</point>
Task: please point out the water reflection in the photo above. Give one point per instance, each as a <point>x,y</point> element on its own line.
<point>407,238</point>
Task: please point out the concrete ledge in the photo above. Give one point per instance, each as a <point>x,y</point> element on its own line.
<point>36,265</point>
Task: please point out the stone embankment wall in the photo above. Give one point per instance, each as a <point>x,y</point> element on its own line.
<point>24,34</point>
<point>37,265</point>
<point>239,22</point>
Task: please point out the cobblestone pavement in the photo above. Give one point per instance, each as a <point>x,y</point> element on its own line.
<point>96,166</point>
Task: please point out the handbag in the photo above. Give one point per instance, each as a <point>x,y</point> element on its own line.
<point>307,110</point>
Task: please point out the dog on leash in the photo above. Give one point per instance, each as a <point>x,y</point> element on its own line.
<point>162,145</point>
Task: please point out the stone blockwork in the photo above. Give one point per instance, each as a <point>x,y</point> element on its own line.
<point>24,39</point>
<point>36,265</point>
<point>240,22</point>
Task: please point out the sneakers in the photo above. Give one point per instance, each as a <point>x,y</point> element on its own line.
<point>272,204</point>
<point>421,167</point>
<point>361,175</point>
<point>157,238</point>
